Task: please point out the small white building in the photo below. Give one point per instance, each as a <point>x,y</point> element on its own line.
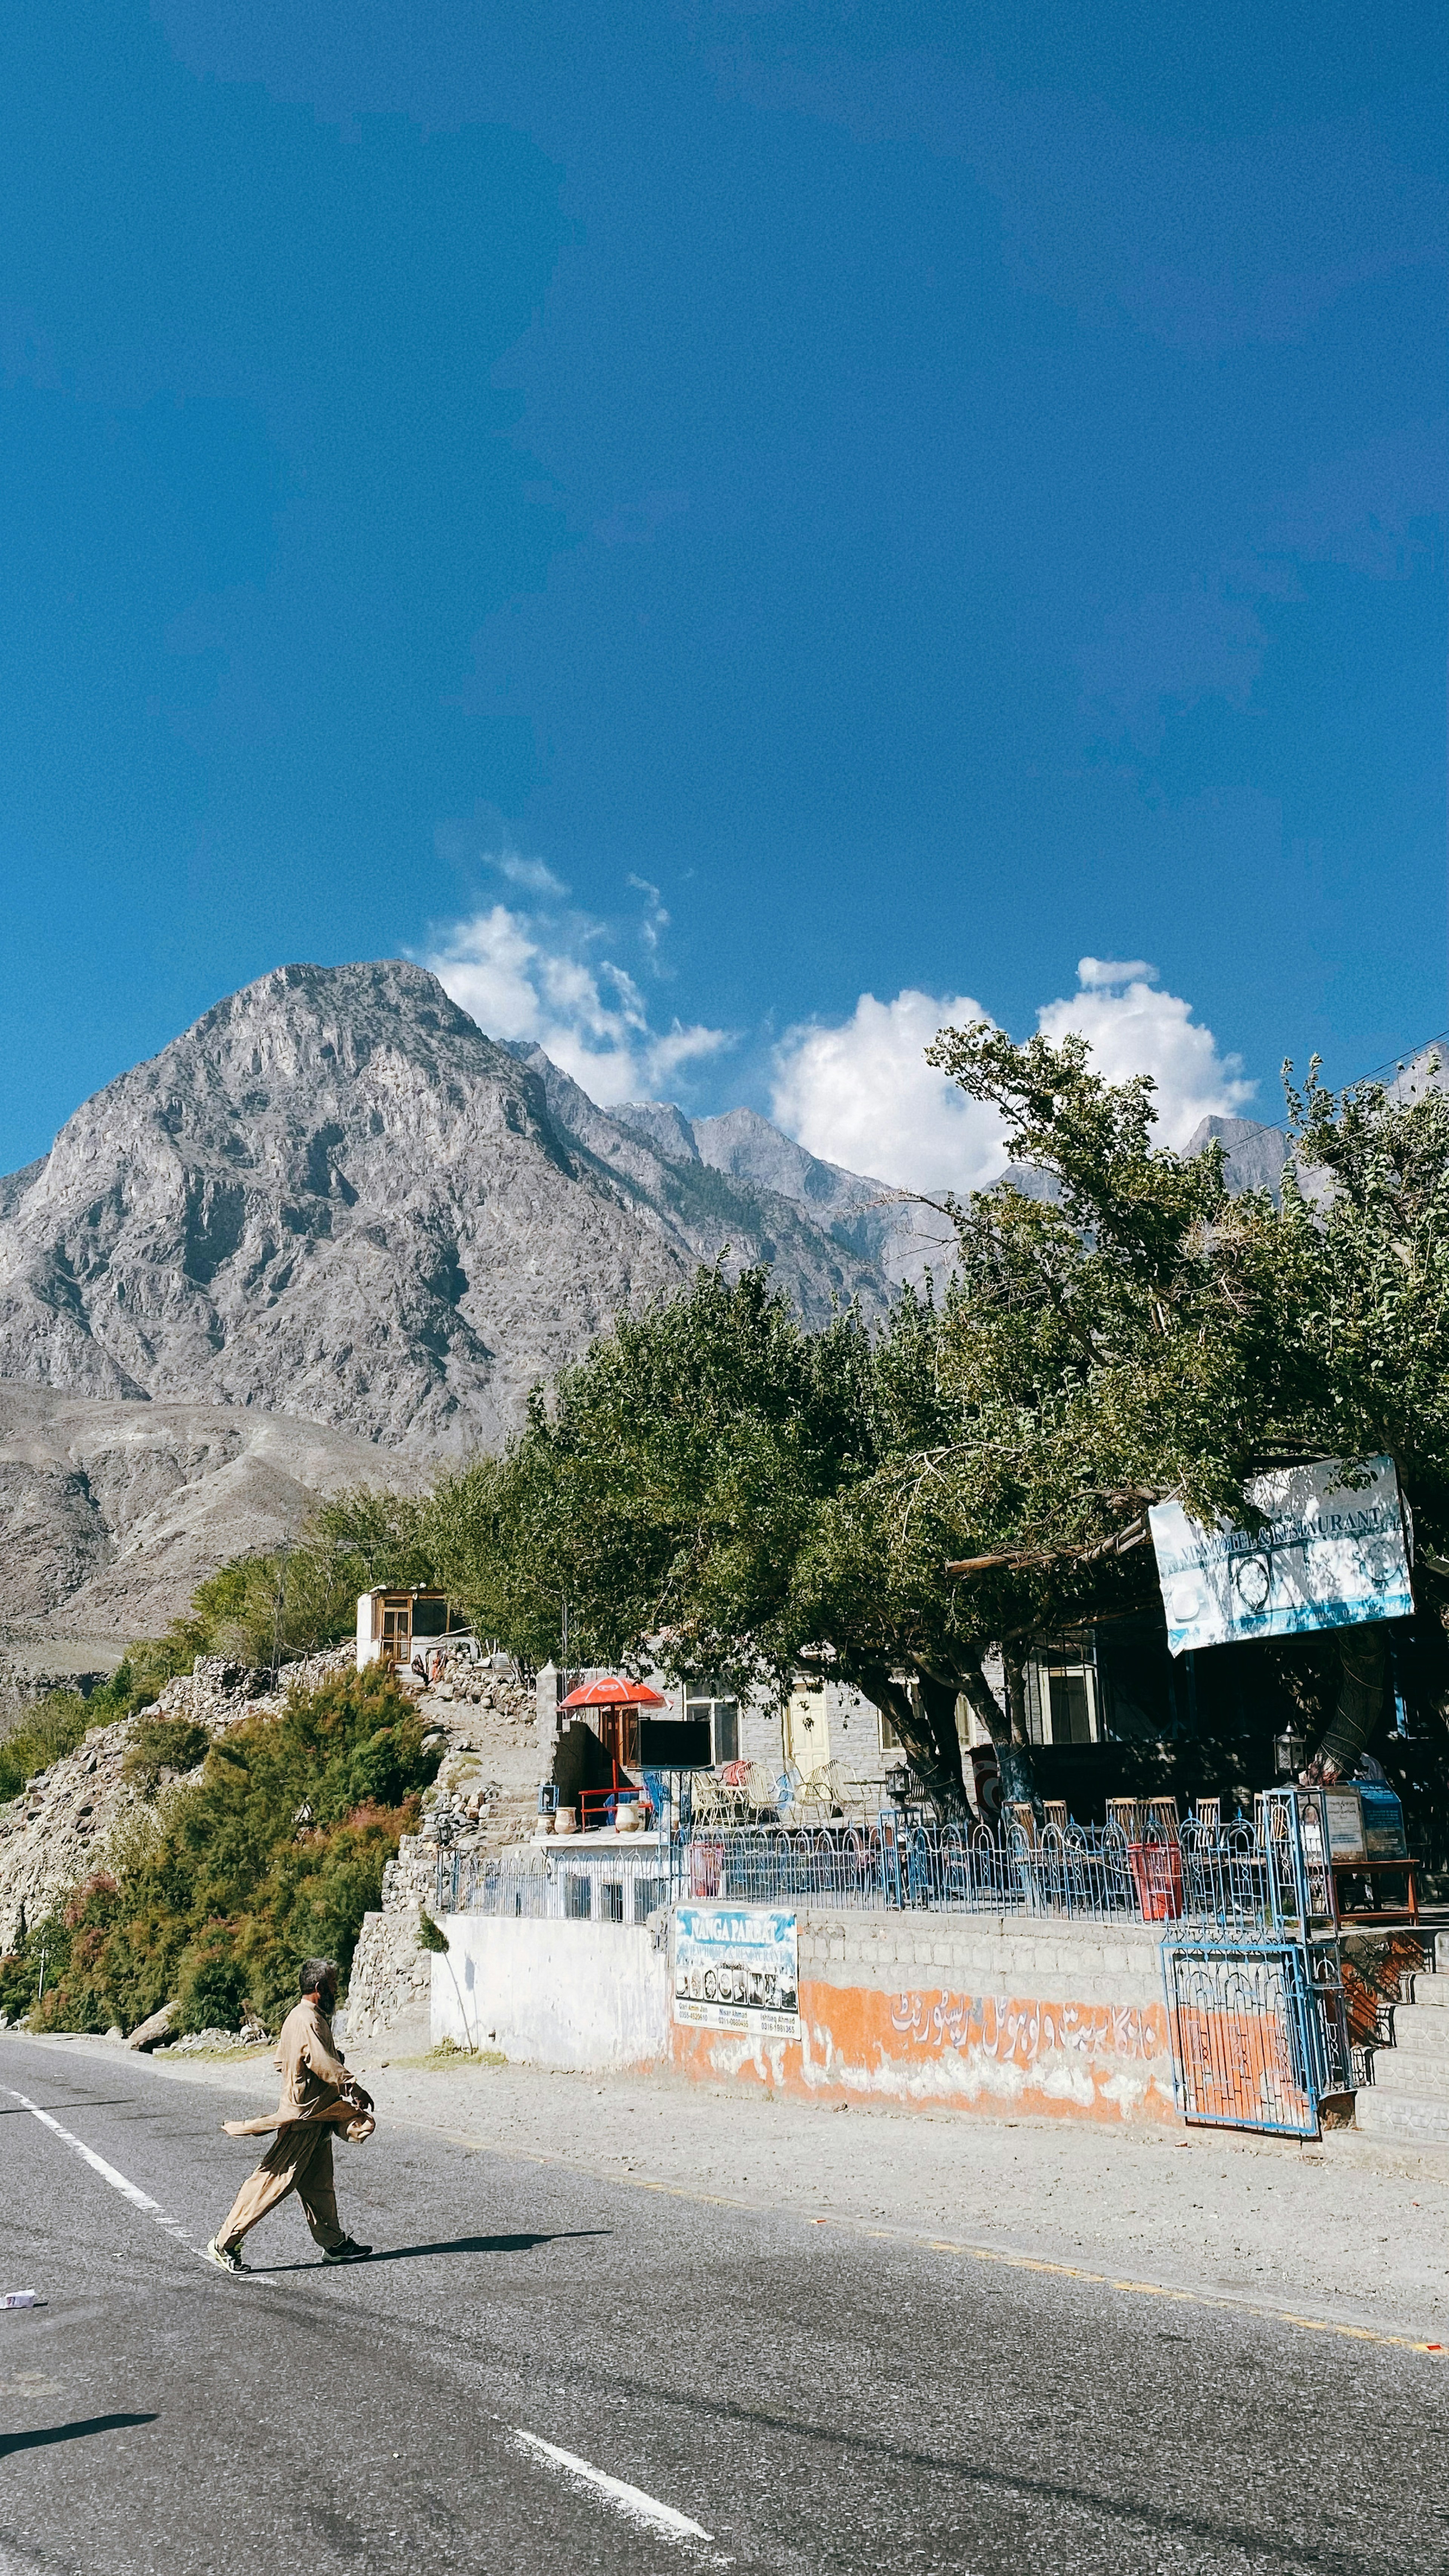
<point>392,1623</point>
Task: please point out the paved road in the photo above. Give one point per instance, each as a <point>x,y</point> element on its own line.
<point>810,2398</point>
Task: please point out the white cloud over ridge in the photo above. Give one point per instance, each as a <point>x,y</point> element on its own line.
<point>859,1092</point>
<point>862,1094</point>
<point>1132,1026</point>
<point>540,975</point>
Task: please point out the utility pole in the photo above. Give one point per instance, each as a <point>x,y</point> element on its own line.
<point>278,1608</point>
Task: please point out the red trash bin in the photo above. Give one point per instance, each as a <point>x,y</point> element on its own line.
<point>1157,1877</point>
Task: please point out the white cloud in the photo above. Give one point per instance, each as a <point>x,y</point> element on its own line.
<point>857,1092</point>
<point>1094,972</point>
<point>530,875</point>
<point>861,1093</point>
<point>1134,1027</point>
<point>535,975</point>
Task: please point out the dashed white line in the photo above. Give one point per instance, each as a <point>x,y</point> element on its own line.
<point>129,2190</point>
<point>630,2500</point>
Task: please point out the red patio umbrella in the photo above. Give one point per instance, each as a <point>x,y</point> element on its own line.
<point>614,1694</point>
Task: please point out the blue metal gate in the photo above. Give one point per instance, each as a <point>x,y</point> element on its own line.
<point>1248,2038</point>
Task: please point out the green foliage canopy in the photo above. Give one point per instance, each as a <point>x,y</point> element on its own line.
<point>223,1892</point>
<point>716,1487</point>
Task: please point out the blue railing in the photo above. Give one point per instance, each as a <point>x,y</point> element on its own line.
<point>1247,1874</point>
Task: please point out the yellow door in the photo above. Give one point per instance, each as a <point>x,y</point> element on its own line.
<point>807,1732</point>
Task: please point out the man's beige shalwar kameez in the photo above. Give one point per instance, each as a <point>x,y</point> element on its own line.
<point>314,2079</point>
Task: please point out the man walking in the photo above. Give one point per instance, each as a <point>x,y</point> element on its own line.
<point>317,2092</point>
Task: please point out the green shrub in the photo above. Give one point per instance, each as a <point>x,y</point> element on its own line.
<point>56,1725</point>
<point>226,1894</point>
<point>164,1744</point>
<point>380,1768</point>
<point>211,1988</point>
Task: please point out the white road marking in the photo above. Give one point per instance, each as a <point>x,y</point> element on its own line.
<point>630,2500</point>
<point>129,2190</point>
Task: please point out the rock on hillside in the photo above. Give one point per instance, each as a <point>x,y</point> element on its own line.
<point>335,1198</point>
<point>111,1514</point>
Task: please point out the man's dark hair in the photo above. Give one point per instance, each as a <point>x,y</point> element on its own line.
<point>315,1973</point>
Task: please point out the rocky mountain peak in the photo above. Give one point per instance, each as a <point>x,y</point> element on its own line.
<point>335,1197</point>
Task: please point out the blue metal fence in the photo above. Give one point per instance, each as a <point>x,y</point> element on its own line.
<point>1247,1874</point>
<point>1250,1949</point>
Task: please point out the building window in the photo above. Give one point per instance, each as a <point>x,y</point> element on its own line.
<point>578,1897</point>
<point>1062,1701</point>
<point>648,1892</point>
<point>706,1705</point>
<point>611,1900</point>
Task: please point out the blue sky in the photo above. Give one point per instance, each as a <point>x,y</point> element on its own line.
<point>691,515</point>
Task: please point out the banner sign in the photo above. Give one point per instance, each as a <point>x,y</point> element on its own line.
<point>1329,1556</point>
<point>736,1967</point>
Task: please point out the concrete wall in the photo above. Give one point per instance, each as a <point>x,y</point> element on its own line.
<point>584,1995</point>
<point>975,2013</point>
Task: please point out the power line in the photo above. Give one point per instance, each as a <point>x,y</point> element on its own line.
<point>1391,1064</point>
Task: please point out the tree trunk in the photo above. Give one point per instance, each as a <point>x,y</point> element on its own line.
<point>938,1700</point>
<point>1363,1653</point>
<point>1013,1754</point>
<point>1014,1662</point>
<point>927,1733</point>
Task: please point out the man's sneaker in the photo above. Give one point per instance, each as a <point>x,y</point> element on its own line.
<point>349,2251</point>
<point>226,2256</point>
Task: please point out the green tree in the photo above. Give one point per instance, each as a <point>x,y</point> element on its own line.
<point>714,1486</point>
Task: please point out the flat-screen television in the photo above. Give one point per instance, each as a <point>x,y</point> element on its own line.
<point>669,1744</point>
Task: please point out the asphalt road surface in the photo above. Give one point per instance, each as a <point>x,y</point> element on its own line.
<point>775,2394</point>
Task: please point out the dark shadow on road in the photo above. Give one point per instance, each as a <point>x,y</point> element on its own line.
<point>70,2432</point>
<point>454,2245</point>
<point>103,2102</point>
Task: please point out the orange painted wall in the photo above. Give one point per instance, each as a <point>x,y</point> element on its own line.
<point>983,2053</point>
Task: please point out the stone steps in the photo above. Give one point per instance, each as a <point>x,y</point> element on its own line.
<point>1426,2076</point>
<point>1416,2118</point>
<point>1409,2095</point>
<point>1420,2033</point>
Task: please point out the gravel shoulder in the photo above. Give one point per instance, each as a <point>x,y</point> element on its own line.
<point>1351,2231</point>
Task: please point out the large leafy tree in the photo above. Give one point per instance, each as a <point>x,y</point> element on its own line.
<point>717,1487</point>
<point>1138,1332</point>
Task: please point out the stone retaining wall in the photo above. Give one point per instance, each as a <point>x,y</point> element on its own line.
<point>389,1976</point>
<point>982,2013</point>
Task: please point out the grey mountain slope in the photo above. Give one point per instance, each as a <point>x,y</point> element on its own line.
<point>335,1198</point>
<point>1253,1155</point>
<point>111,1514</point>
<point>710,1206</point>
<point>869,1219</point>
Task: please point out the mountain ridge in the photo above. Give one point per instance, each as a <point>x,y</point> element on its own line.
<point>336,1198</point>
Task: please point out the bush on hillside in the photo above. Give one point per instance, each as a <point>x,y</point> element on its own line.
<point>56,1725</point>
<point>229,1878</point>
<point>212,1988</point>
<point>164,1744</point>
